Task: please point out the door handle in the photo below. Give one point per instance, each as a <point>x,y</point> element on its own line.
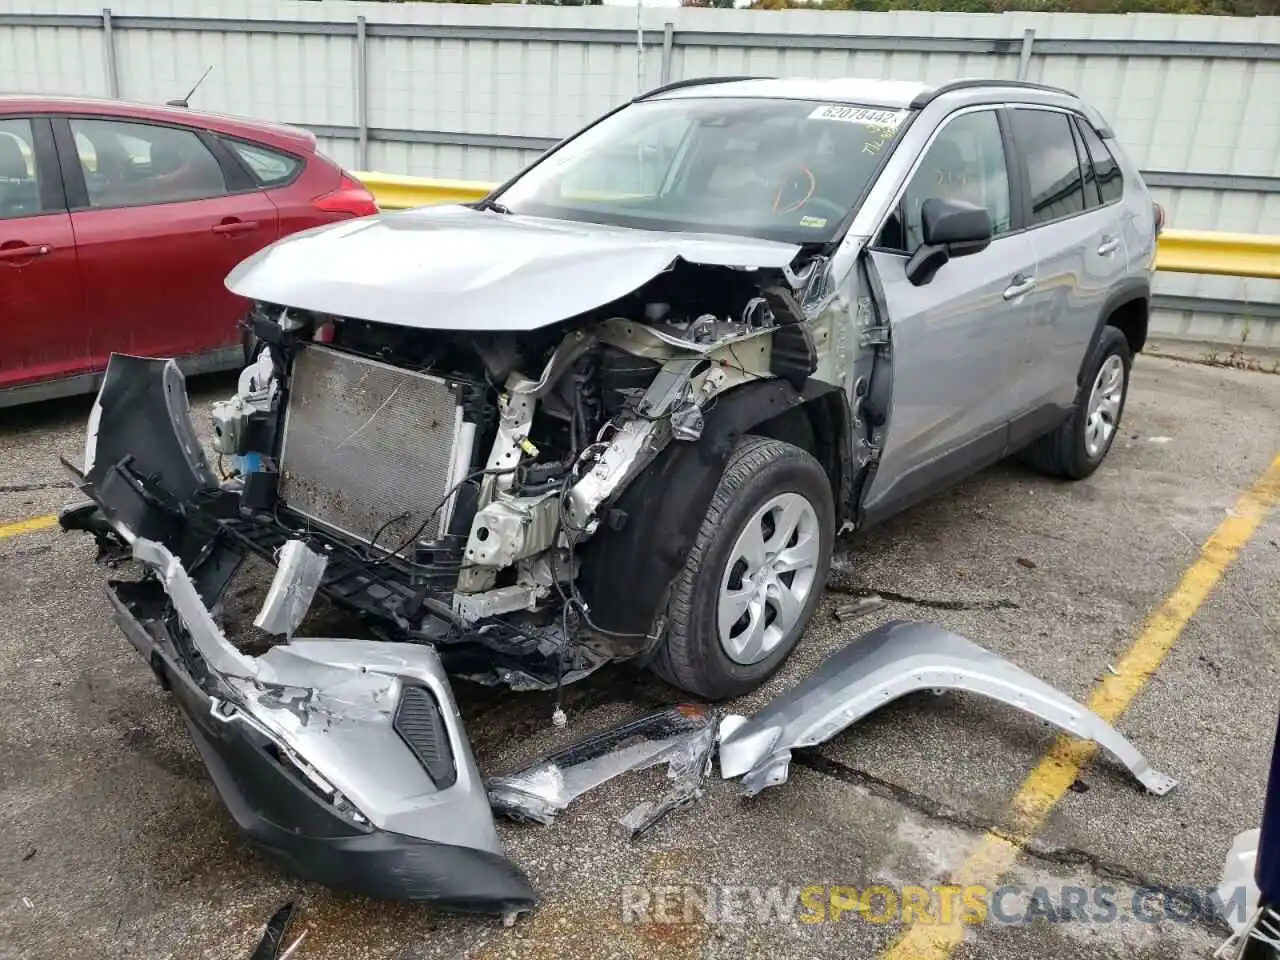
<point>233,228</point>
<point>1108,246</point>
<point>1019,286</point>
<point>25,250</point>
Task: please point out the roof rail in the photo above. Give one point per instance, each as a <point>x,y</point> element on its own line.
<point>696,81</point>
<point>926,98</point>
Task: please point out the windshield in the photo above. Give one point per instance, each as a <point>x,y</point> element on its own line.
<point>786,170</point>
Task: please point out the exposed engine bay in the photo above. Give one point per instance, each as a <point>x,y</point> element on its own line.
<point>474,477</point>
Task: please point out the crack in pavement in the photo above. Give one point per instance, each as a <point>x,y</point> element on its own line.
<point>31,487</point>
<point>1059,856</point>
<point>927,602</point>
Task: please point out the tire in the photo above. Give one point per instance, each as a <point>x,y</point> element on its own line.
<point>765,486</point>
<point>1072,451</point>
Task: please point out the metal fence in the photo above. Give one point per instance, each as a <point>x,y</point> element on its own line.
<point>474,92</point>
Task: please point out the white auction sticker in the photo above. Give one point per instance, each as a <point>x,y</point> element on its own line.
<point>864,115</point>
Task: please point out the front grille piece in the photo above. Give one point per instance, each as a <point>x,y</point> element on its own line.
<point>420,725</point>
<point>367,446</point>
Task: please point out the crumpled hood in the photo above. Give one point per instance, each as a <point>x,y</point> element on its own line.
<point>453,267</point>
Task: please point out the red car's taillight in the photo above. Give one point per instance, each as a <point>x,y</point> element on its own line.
<point>352,198</point>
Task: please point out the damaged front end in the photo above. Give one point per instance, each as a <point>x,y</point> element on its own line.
<point>484,491</point>
<point>475,496</point>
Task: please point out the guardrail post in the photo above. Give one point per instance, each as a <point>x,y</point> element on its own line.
<point>109,54</point>
<point>668,40</point>
<point>1024,57</point>
<point>362,95</point>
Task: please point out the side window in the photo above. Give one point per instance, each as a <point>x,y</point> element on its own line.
<point>19,179</point>
<point>127,164</point>
<point>1045,140</point>
<point>1106,170</point>
<point>270,168</point>
<point>965,161</point>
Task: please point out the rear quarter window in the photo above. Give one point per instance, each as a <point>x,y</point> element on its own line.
<point>271,168</point>
<point>1106,170</point>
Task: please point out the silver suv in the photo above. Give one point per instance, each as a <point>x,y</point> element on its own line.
<point>618,409</point>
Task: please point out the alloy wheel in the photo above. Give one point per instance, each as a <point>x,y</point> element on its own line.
<point>768,578</point>
<point>1105,401</point>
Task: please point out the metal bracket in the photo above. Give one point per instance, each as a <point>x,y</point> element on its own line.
<point>877,336</point>
<point>866,451</point>
<point>667,387</point>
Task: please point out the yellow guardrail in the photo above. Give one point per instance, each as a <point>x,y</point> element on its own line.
<point>1226,254</point>
<point>399,193</point>
<point>1181,251</point>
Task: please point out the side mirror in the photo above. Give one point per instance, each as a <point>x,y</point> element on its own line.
<point>951,228</point>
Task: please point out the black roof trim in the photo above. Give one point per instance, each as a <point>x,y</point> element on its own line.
<point>924,99</point>
<point>695,82</point>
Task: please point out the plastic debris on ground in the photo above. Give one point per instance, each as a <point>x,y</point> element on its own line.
<point>677,736</point>
<point>271,946</point>
<point>859,608</point>
<point>687,767</point>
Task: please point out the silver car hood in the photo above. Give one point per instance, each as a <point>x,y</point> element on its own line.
<point>453,267</point>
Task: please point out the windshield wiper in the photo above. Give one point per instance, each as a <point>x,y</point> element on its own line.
<point>493,205</point>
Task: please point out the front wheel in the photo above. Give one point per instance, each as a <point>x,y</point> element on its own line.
<point>1080,443</point>
<point>755,574</point>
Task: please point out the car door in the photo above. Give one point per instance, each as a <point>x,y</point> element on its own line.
<point>42,325</point>
<point>958,340</point>
<point>1080,247</point>
<point>161,215</point>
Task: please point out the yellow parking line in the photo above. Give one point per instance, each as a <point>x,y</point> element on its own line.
<point>993,854</point>
<point>29,526</point>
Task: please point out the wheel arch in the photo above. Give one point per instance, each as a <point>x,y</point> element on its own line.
<point>1128,309</point>
<point>651,534</point>
<point>821,426</point>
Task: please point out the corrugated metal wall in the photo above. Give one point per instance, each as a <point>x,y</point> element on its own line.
<point>476,91</point>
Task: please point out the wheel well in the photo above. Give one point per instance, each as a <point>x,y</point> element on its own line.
<point>1131,319</point>
<point>820,426</point>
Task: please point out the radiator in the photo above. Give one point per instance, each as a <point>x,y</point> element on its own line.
<point>368,446</point>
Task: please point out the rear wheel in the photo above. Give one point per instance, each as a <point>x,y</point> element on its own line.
<point>1080,443</point>
<point>755,574</point>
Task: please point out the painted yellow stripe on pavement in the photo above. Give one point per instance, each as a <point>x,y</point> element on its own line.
<point>28,526</point>
<point>994,853</point>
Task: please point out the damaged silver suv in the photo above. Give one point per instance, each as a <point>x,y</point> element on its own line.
<point>617,410</point>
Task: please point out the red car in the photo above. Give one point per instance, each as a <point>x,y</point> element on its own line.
<point>119,221</point>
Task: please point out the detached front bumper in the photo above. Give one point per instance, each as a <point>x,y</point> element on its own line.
<point>286,814</point>
<point>346,760</point>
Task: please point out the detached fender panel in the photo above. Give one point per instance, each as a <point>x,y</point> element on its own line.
<point>898,658</point>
